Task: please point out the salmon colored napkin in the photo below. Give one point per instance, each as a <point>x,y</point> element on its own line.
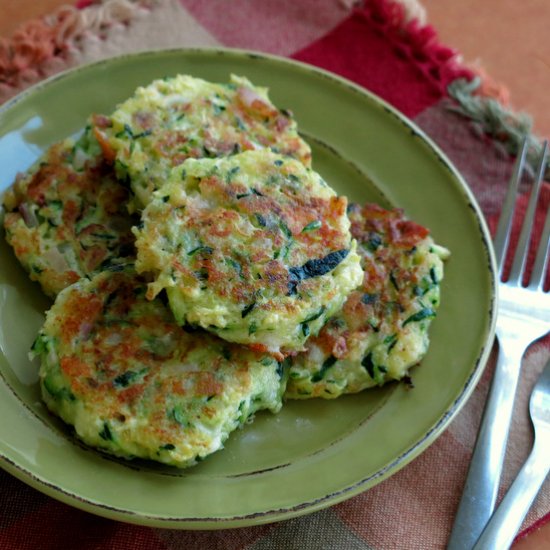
<point>386,47</point>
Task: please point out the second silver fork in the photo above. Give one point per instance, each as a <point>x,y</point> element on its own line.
<point>523,317</point>
<point>506,521</point>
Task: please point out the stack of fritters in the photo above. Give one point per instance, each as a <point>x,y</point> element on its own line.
<point>250,247</point>
<point>250,280</point>
<point>178,118</point>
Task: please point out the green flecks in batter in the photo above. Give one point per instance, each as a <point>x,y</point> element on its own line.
<point>417,291</point>
<point>58,393</point>
<point>374,242</point>
<point>368,364</point>
<point>218,109</point>
<point>376,372</point>
<point>393,281</point>
<point>231,173</point>
<point>125,132</point>
<point>128,132</point>
<point>103,235</point>
<point>284,229</point>
<point>324,368</point>
<point>315,315</point>
<point>40,345</point>
<point>247,309</point>
<point>235,265</point>
<point>379,372</point>
<point>304,324</point>
<point>200,250</point>
<point>125,379</point>
<point>121,170</point>
<point>374,324</point>
<point>177,415</point>
<point>283,366</point>
<point>240,124</point>
<point>390,341</point>
<point>106,433</point>
<point>312,226</point>
<point>369,299</point>
<point>284,251</point>
<point>201,274</point>
<point>262,222</point>
<point>314,268</point>
<point>243,412</point>
<point>424,313</point>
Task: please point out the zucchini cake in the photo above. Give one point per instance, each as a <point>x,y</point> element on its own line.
<point>182,117</point>
<point>67,216</point>
<point>382,329</point>
<point>134,384</point>
<point>254,247</point>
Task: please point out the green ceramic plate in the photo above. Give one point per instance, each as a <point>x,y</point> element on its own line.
<point>314,453</point>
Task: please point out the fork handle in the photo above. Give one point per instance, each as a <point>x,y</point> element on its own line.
<point>480,492</point>
<point>507,519</point>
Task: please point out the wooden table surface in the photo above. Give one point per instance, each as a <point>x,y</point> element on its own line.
<point>508,39</point>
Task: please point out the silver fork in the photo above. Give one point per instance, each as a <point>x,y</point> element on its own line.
<point>506,521</point>
<point>523,317</point>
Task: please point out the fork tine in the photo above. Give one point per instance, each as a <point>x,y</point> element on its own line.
<point>507,214</point>
<point>541,261</point>
<point>522,249</point>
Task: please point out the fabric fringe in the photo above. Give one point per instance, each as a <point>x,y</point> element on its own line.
<point>491,117</point>
<point>43,46</point>
<point>416,41</point>
<point>474,94</point>
<point>412,9</point>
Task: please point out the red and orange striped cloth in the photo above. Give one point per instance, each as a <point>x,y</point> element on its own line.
<point>386,47</point>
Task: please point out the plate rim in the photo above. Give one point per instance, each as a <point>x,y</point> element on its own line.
<point>430,436</point>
